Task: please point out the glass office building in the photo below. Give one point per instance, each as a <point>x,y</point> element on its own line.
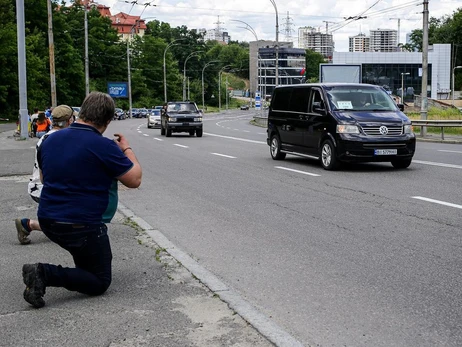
<point>389,76</point>
<point>385,69</point>
<point>291,62</point>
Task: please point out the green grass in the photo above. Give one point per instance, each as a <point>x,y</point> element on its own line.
<point>438,114</point>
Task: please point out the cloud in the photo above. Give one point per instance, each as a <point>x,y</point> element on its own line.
<point>261,16</point>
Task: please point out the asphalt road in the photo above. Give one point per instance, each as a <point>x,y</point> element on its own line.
<point>366,256</point>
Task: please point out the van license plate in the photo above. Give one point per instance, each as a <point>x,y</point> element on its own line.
<point>385,151</point>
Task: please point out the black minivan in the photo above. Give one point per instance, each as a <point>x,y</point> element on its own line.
<point>339,122</point>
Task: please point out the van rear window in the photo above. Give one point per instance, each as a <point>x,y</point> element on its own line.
<point>281,99</point>
<point>299,100</point>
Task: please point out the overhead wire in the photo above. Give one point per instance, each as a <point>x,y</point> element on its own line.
<point>375,14</point>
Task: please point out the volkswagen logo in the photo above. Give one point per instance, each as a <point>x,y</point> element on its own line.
<point>383,130</point>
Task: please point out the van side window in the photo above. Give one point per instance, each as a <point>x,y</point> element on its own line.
<point>316,100</point>
<point>281,99</point>
<point>299,100</point>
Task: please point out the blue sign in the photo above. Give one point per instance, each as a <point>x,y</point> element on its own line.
<point>117,89</point>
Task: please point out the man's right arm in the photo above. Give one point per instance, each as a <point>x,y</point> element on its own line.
<point>132,178</point>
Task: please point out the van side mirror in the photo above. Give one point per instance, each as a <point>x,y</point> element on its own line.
<point>401,107</point>
<point>319,107</point>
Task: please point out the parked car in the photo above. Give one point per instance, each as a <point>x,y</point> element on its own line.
<point>245,107</point>
<point>119,114</point>
<point>339,122</point>
<point>76,109</point>
<point>135,112</point>
<point>143,113</point>
<point>181,116</point>
<point>154,119</point>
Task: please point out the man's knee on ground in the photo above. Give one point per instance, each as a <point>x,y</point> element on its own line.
<point>101,289</point>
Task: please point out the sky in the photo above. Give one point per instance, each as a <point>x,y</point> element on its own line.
<point>260,16</point>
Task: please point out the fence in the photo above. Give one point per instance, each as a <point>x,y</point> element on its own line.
<point>437,124</point>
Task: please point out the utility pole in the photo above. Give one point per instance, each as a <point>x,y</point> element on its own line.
<point>287,30</point>
<point>22,77</point>
<point>424,98</point>
<point>51,48</point>
<point>327,25</point>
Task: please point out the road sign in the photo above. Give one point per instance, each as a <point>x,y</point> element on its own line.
<point>117,89</point>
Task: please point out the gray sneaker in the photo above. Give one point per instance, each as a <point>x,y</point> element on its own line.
<point>33,278</point>
<point>23,233</point>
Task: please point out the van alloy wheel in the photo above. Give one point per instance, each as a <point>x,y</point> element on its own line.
<point>275,148</point>
<point>329,159</point>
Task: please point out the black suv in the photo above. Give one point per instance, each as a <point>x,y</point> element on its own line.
<point>181,116</point>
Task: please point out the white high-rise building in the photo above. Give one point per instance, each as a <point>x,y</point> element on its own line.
<point>310,38</point>
<point>359,43</point>
<point>384,40</point>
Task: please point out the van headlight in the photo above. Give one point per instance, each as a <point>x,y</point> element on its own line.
<point>347,129</point>
<point>198,119</point>
<point>172,119</point>
<point>408,129</point>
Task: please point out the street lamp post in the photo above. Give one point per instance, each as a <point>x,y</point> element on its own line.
<point>165,68</point>
<point>51,47</point>
<point>402,85</point>
<point>203,93</point>
<point>129,74</point>
<point>453,82</point>
<point>252,30</point>
<point>87,69</point>
<point>184,72</point>
<point>219,86</point>
<point>277,44</point>
<point>129,77</point>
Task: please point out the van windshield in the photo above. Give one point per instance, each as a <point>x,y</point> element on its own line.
<point>354,98</point>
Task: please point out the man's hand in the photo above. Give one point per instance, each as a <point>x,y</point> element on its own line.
<point>121,141</point>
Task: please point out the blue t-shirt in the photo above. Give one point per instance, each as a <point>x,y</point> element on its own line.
<point>80,169</point>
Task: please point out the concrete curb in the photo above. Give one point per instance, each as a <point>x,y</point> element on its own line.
<point>261,323</point>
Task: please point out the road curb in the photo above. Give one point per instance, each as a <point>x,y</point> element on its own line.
<point>260,322</point>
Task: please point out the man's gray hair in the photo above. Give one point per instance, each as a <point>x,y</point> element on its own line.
<point>97,108</point>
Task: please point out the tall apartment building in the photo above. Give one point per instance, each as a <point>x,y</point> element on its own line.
<point>311,38</point>
<point>359,43</point>
<point>214,35</point>
<point>384,40</point>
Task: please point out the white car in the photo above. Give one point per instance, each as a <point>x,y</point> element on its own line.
<point>154,119</point>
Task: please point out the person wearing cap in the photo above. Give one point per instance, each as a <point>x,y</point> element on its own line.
<point>63,116</point>
<point>80,171</point>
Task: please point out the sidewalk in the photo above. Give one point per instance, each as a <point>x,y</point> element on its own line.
<point>152,301</point>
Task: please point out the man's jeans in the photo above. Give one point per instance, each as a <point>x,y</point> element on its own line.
<point>89,246</point>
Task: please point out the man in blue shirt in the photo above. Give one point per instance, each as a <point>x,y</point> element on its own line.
<point>80,170</point>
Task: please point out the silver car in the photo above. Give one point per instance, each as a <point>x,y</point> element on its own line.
<point>154,119</point>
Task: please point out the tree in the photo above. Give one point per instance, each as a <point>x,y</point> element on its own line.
<point>312,61</point>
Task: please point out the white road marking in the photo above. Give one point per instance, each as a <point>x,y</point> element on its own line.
<point>224,155</point>
<point>437,164</point>
<point>297,171</point>
<point>157,139</point>
<point>182,146</point>
<point>145,135</point>
<point>237,138</point>
<point>246,131</point>
<point>443,150</point>
<point>437,201</point>
<point>140,131</point>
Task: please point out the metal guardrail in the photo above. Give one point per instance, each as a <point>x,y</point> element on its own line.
<point>437,124</point>
<point>263,121</point>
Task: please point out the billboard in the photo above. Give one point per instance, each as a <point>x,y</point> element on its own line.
<point>117,89</point>
<point>340,73</point>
